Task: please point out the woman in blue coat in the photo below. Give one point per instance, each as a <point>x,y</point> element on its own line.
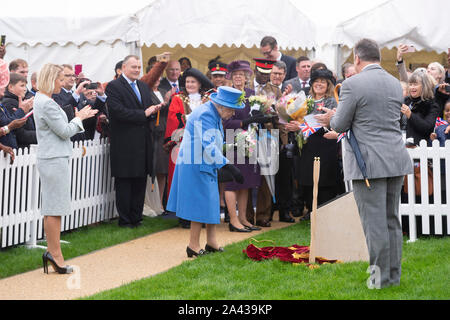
<point>194,194</point>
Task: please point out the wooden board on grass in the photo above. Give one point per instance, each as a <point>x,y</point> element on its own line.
<point>338,231</point>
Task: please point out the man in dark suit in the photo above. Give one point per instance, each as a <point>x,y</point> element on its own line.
<point>173,72</point>
<point>301,81</point>
<point>269,49</point>
<point>130,110</point>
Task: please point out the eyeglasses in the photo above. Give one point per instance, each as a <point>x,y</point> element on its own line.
<point>278,74</point>
<point>70,75</point>
<point>267,53</point>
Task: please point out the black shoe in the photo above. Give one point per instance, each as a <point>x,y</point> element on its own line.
<point>233,228</point>
<point>191,253</point>
<point>47,257</point>
<point>285,217</point>
<point>297,212</point>
<point>306,217</point>
<point>208,248</point>
<point>252,228</point>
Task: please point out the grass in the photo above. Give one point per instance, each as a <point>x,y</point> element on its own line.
<point>19,259</point>
<point>233,276</point>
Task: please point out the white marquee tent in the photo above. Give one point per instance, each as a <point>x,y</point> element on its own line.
<point>423,24</point>
<point>99,33</point>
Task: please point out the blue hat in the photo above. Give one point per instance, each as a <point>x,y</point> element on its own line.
<point>228,97</point>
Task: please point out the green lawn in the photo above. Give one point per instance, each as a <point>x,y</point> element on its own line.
<point>19,259</point>
<point>232,276</point>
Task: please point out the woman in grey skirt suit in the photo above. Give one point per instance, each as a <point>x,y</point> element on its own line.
<point>53,133</point>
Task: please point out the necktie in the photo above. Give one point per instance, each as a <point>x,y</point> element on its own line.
<point>136,91</point>
<point>303,84</point>
<point>176,87</point>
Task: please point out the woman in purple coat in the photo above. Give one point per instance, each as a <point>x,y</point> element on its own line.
<point>238,71</point>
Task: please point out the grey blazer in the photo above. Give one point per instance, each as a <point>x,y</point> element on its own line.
<point>53,131</point>
<point>370,104</point>
<point>296,86</point>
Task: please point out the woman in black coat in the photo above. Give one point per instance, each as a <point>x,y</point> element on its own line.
<point>320,144</point>
<point>420,110</point>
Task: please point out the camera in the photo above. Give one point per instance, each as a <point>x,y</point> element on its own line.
<point>290,147</point>
<point>91,86</point>
<point>447,88</point>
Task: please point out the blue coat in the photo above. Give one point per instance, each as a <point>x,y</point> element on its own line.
<point>194,194</point>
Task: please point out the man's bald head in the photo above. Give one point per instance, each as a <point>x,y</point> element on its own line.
<point>173,70</point>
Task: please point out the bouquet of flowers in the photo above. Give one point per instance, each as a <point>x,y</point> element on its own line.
<point>294,107</point>
<point>245,141</point>
<point>262,103</point>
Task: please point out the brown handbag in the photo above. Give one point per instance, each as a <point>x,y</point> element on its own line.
<point>417,180</point>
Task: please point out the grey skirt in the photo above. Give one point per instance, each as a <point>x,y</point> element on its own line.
<point>55,179</point>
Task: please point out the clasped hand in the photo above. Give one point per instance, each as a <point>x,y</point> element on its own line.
<point>153,109</point>
<point>86,113</point>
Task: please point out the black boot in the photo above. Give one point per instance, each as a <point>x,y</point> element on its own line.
<point>285,217</point>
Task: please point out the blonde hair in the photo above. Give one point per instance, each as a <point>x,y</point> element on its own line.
<point>441,71</point>
<point>47,77</point>
<point>420,76</point>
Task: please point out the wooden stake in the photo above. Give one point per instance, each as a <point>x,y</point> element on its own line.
<point>316,173</point>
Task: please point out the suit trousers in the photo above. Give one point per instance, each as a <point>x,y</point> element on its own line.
<point>284,182</point>
<point>379,212</point>
<point>130,196</point>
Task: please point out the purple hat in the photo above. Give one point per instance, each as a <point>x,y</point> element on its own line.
<point>238,65</point>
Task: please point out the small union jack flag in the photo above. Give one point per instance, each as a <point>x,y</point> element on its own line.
<point>307,130</point>
<point>440,122</point>
<point>341,136</point>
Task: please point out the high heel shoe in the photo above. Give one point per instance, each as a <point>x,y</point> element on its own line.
<point>233,228</point>
<point>47,257</point>
<point>208,248</point>
<point>191,253</point>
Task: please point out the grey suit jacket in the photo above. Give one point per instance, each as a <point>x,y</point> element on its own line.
<point>53,131</point>
<point>296,86</point>
<point>370,104</point>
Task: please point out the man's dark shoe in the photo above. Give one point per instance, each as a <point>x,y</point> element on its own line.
<point>285,217</point>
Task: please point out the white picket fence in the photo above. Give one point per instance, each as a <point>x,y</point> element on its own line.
<point>423,155</point>
<point>420,208</point>
<point>92,193</point>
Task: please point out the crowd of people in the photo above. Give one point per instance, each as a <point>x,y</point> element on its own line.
<point>144,118</point>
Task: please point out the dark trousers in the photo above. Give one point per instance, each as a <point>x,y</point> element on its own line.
<point>130,196</point>
<point>284,182</point>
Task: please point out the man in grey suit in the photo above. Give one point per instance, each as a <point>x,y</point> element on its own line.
<point>301,82</point>
<point>370,104</point>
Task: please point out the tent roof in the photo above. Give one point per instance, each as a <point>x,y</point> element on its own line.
<point>62,21</point>
<point>417,22</point>
<point>230,22</point>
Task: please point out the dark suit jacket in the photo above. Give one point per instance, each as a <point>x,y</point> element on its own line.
<point>130,136</point>
<point>164,85</point>
<point>91,123</point>
<point>291,71</point>
<point>25,135</point>
<point>64,98</point>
